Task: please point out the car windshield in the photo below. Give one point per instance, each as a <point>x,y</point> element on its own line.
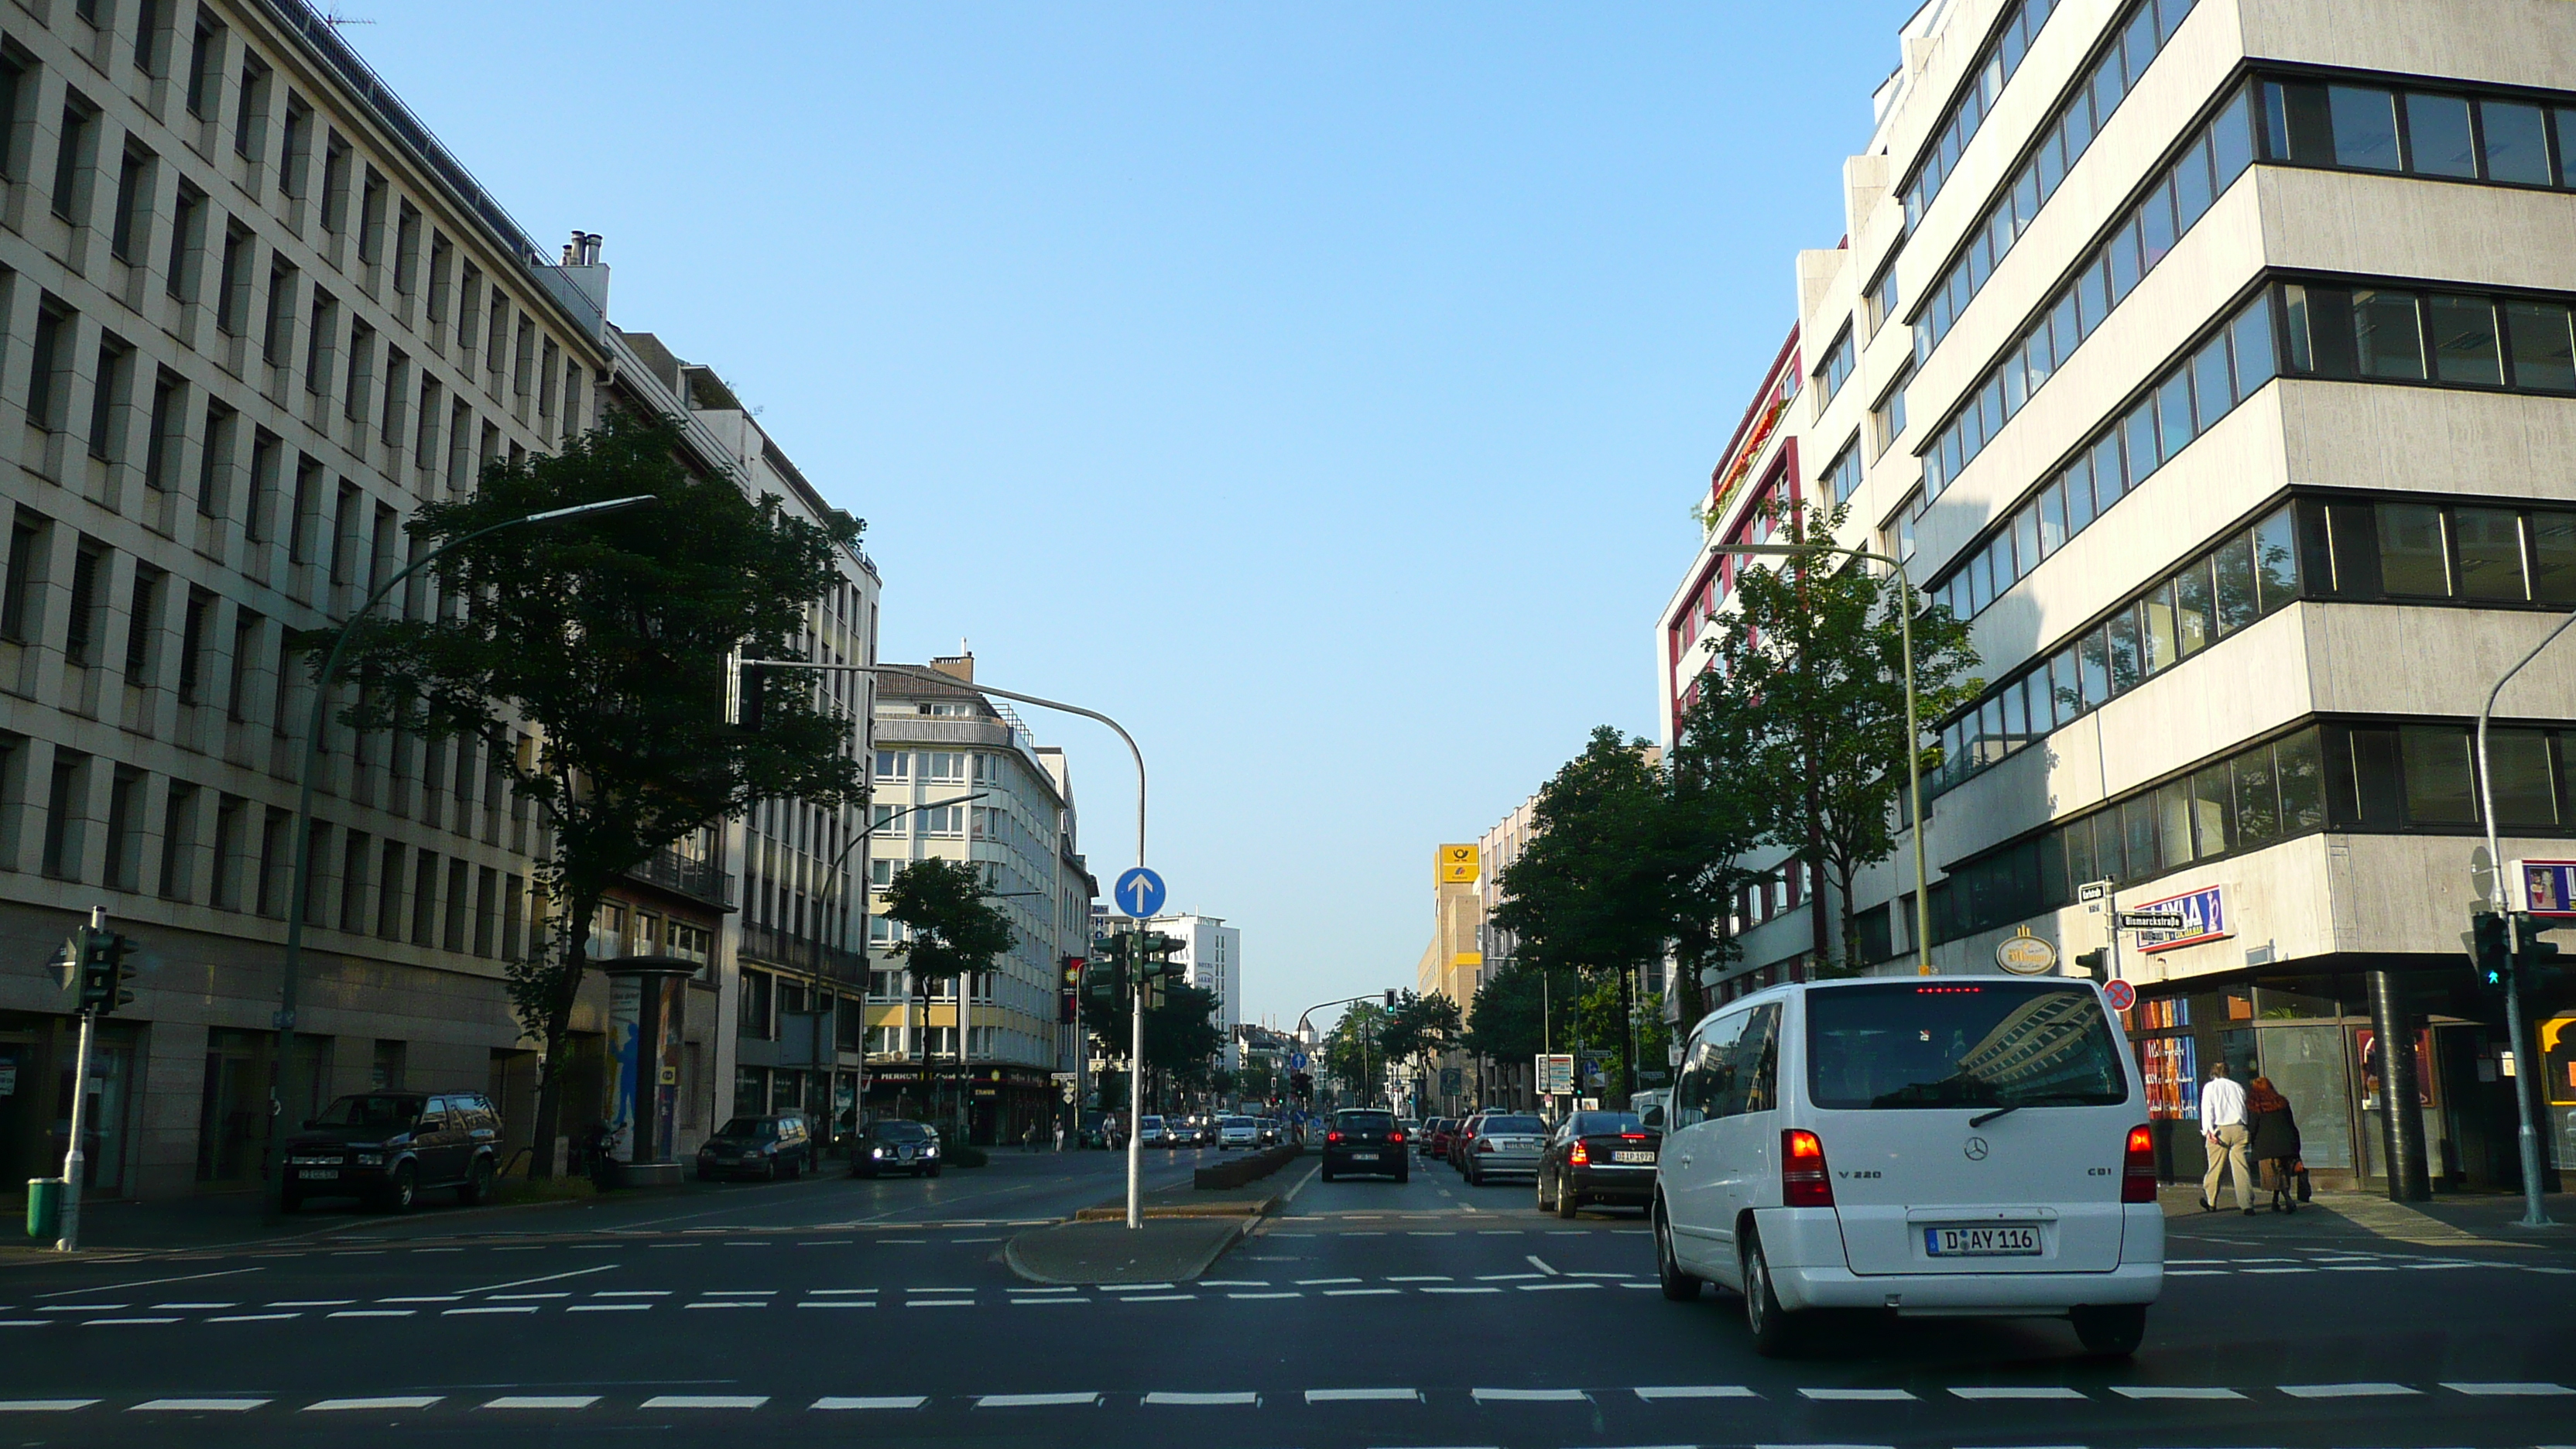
<point>750,1127</point>
<point>1961,1044</point>
<point>898,1132</point>
<point>372,1110</point>
<point>1237,1122</point>
<point>1150,1121</point>
<point>1365,1121</point>
<point>1592,1124</point>
<point>1518,1125</point>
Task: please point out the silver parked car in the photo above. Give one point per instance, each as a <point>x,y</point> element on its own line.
<point>1238,1132</point>
<point>1507,1145</point>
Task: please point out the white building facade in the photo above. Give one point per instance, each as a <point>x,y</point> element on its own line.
<point>2212,358</point>
<point>1212,953</point>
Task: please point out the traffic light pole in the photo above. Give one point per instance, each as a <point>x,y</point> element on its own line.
<point>2535,1213</point>
<point>74,1160</point>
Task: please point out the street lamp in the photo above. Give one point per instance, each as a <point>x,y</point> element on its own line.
<point>2526,1133</point>
<point>1913,730</point>
<point>301,883</point>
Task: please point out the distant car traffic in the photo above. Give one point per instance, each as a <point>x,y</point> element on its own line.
<point>1507,1145</point>
<point>1597,1157</point>
<point>1365,1140</point>
<point>1151,1132</point>
<point>780,1145</point>
<point>894,1145</point>
<point>1435,1136</point>
<point>1270,1131</point>
<point>2009,1166</point>
<point>387,1148</point>
<point>1238,1132</point>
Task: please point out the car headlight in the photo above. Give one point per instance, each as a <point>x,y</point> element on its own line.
<point>930,1152</point>
<point>371,1159</point>
<point>876,1152</point>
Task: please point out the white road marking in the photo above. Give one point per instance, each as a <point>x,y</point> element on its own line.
<point>1033,1401</point>
<point>1535,1261</point>
<point>1234,1282</point>
<point>196,1305</point>
<point>373,1313</point>
<point>734,1303</point>
<point>1697,1391</point>
<point>1023,1302</point>
<point>1321,1282</point>
<point>2050,1392</point>
<point>1363,1396</point>
<point>549,1278</point>
<point>252,1317</point>
<point>543,1401</point>
<point>2303,1268</point>
<point>1109,1287</point>
<point>610,1308</point>
<point>1167,1398</point>
<point>1556,1287</point>
<point>1266,1295</point>
<point>1600,1275</point>
<point>825,1292</point>
<point>1527,1396</point>
<point>882,1402</point>
<point>507,1297</point>
<point>706,1401</point>
<point>148,1283</point>
<point>1871,1396</point>
<point>646,1292</point>
<point>1507,1277</point>
<point>2164,1391</point>
<point>1160,1298</point>
<point>1363,1292</point>
<point>96,1307</point>
<point>707,1293</point>
<point>43,1406</point>
<point>2347,1391</point>
<point>513,1308</point>
<point>2510,1390</point>
<point>196,1406</point>
<point>328,1405</point>
<point>1462,1290</point>
<point>1421,1278</point>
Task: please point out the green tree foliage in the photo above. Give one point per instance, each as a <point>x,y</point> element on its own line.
<point>1419,1029</point>
<point>952,929</point>
<point>1182,1038</point>
<point>608,636</point>
<point>1355,1050</point>
<point>1805,706</point>
<point>1519,1010</point>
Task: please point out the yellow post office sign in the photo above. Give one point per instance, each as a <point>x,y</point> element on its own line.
<point>1458,864</point>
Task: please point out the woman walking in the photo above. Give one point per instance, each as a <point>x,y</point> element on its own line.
<point>2274,1143</point>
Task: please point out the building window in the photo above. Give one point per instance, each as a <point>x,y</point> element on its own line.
<point>944,767</point>
<point>893,764</point>
<point>1842,476</point>
<point>1976,99</point>
<point>1835,367</point>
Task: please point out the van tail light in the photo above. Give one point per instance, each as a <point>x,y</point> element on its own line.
<point>1332,1136</point>
<point>2138,1168</point>
<point>1395,1136</point>
<point>1581,1156</point>
<point>1804,1181</point>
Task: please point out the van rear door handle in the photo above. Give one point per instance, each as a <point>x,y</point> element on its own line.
<point>1686,1160</point>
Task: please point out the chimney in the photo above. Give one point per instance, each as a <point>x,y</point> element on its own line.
<point>960,667</point>
<point>582,267</point>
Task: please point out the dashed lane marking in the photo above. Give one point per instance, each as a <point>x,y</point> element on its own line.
<point>882,1401</point>
<point>196,1406</point>
<point>1192,1400</point>
<point>1363,1396</point>
<point>2172,1391</point>
<point>2348,1391</point>
<point>43,1406</point>
<point>1363,1292</point>
<point>1873,1396</point>
<point>325,1406</point>
<point>2510,1390</point>
<point>2017,1392</point>
<point>1696,1391</point>
<point>105,1322</point>
<point>1528,1396</point>
<point>706,1401</point>
<point>1035,1401</point>
<point>542,1401</point>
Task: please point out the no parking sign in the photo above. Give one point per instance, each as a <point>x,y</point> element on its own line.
<point>2121,995</point>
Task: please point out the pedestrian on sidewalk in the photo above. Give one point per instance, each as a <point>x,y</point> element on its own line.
<point>2272,1137</point>
<point>1059,1134</point>
<point>2222,1128</point>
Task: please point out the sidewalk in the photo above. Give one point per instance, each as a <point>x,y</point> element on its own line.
<point>2450,1220</point>
<point>235,1219</point>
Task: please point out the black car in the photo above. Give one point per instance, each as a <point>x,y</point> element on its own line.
<point>894,1145</point>
<point>1365,1140</point>
<point>1598,1157</point>
<point>780,1145</point>
<point>387,1148</point>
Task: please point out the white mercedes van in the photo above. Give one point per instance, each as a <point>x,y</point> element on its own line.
<point>1945,1145</point>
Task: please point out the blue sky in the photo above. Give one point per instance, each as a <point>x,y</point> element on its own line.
<point>1318,389</point>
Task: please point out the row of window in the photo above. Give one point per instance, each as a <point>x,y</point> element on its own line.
<point>2508,140</point>
<point>2211,160</point>
<point>2186,401</point>
<point>2339,775</point>
<point>1994,66</point>
<point>2216,594</point>
<point>2126,54</point>
<point>2521,344</point>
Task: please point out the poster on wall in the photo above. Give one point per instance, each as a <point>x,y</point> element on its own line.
<point>2204,918</point>
<point>625,1001</point>
<point>2365,1042</point>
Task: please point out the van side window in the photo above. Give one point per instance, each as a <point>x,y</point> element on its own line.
<point>1711,1069</point>
<point>1754,1084</point>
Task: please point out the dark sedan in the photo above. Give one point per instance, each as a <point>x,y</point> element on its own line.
<point>780,1145</point>
<point>1598,1157</point>
<point>1365,1140</point>
<point>894,1145</point>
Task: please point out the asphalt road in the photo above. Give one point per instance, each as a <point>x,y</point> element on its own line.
<point>1370,1314</point>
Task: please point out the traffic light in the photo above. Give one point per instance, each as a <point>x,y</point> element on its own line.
<point>1303,1083</point>
<point>2489,955</point>
<point>1390,999</point>
<point>2096,962</point>
<point>1101,981</point>
<point>2536,959</point>
<point>102,969</point>
<point>746,693</point>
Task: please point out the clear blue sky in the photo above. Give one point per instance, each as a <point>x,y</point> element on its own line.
<point>1319,389</point>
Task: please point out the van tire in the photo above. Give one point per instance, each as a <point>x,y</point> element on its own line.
<point>1678,1286</point>
<point>1774,1328</point>
<point>2110,1330</point>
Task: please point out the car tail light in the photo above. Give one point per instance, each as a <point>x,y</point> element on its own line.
<point>1581,1155</point>
<point>1484,1144</point>
<point>2138,1170</point>
<point>1332,1136</point>
<point>1632,1136</point>
<point>1395,1136</point>
<point>1804,1182</point>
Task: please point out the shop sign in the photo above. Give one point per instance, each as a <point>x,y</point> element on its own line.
<point>2024,954</point>
<point>2545,887</point>
<point>2204,918</point>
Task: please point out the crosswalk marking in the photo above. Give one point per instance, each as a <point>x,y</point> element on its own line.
<point>1160,1397</point>
<point>196,1406</point>
<point>2347,1391</point>
<point>542,1401</point>
<point>1363,1396</point>
<point>879,1401</point>
<point>706,1401</point>
<point>1696,1391</point>
<point>324,1406</point>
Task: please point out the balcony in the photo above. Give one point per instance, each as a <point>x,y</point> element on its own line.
<point>781,948</point>
<point>673,871</point>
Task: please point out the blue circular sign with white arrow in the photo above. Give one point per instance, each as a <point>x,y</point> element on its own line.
<point>1139,893</point>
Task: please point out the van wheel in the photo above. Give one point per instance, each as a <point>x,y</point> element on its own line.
<point>1678,1286</point>
<point>1774,1327</point>
<point>2112,1330</point>
<point>477,1186</point>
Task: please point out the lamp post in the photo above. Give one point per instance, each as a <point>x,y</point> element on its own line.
<point>300,884</point>
<point>2526,1131</point>
<point>1913,729</point>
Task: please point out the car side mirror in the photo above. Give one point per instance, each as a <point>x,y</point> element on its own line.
<point>1654,1117</point>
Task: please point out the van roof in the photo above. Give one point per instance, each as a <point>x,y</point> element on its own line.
<point>1787,989</point>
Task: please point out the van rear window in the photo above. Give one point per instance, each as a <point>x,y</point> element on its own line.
<point>1961,1044</point>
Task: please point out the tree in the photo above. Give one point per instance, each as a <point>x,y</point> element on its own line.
<point>1420,1028</point>
<point>1181,1034</point>
<point>1811,668</point>
<point>609,637</point>
<point>1353,1052</point>
<point>952,929</point>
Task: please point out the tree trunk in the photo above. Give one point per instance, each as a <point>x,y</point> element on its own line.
<point>558,1027</point>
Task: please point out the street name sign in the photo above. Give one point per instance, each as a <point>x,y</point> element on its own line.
<point>2151,921</point>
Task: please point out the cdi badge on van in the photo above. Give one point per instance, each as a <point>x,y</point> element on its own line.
<point>1955,1146</point>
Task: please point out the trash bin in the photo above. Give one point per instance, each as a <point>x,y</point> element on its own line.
<point>45,1208</point>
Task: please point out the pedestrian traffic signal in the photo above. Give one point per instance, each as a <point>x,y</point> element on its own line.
<point>2489,953</point>
<point>101,956</point>
<point>2537,959</point>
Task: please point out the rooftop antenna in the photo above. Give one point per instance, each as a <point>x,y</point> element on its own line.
<point>333,18</point>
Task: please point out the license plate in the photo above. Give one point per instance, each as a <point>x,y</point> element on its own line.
<point>1981,1242</point>
<point>1632,1157</point>
<point>1363,1157</point>
<point>321,1174</point>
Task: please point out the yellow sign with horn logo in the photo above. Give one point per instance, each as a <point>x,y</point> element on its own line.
<point>1459,864</point>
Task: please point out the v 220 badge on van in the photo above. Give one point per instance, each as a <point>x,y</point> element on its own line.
<point>1959,1146</point>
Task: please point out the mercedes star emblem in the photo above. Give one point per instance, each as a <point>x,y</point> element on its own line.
<point>1976,1149</point>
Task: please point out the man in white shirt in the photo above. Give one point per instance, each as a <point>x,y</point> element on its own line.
<point>2222,1128</point>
